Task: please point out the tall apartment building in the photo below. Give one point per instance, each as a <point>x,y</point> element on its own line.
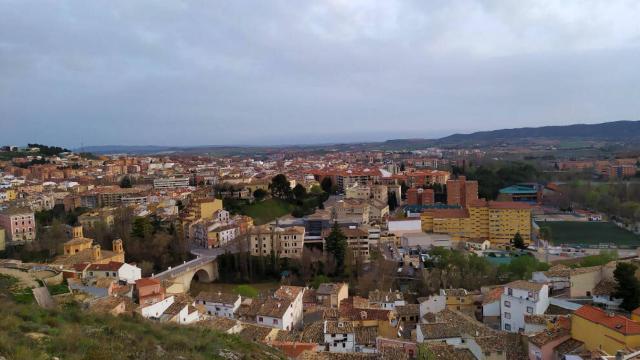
<point>285,242</point>
<point>461,191</point>
<point>496,221</point>
<point>19,224</point>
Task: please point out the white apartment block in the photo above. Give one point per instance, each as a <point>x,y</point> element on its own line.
<point>522,298</point>
<point>171,182</point>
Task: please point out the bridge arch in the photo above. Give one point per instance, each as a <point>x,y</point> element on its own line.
<point>203,275</point>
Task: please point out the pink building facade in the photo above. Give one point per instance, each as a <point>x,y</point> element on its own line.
<point>19,225</point>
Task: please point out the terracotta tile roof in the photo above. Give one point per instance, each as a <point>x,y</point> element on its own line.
<point>338,327</point>
<point>253,332</point>
<point>493,295</point>
<point>408,310</point>
<point>293,349</point>
<point>110,266</point>
<point>439,331</point>
<point>147,282</point>
<point>366,335</point>
<point>274,308</point>
<point>558,271</point>
<point>616,323</point>
<point>364,314</point>
<point>448,352</point>
<point>324,355</point>
<point>331,314</point>
<point>80,266</point>
<point>313,333</point>
<point>548,336</point>
<point>568,346</point>
<point>535,319</point>
<point>287,292</point>
<point>106,304</point>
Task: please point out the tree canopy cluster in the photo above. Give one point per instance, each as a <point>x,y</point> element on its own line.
<point>493,177</point>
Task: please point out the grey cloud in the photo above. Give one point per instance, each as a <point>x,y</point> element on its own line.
<point>198,72</point>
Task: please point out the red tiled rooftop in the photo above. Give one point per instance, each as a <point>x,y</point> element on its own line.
<point>147,282</point>
<point>110,266</point>
<point>617,323</point>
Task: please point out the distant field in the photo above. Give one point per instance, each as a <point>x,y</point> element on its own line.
<point>590,233</point>
<point>268,210</point>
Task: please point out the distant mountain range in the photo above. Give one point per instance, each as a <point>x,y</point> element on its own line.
<point>615,130</point>
<point>624,130</point>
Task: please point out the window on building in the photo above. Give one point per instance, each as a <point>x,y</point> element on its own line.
<point>507,315</point>
<point>529,310</point>
<point>507,327</point>
<point>507,303</point>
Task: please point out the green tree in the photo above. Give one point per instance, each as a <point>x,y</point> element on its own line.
<point>546,234</point>
<point>299,191</point>
<point>327,184</point>
<point>628,287</point>
<point>518,242</point>
<point>392,201</point>
<point>125,182</point>
<point>280,187</point>
<point>336,245</point>
<point>259,194</point>
<point>403,189</point>
<point>142,228</point>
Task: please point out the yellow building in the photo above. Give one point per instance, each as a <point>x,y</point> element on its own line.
<point>496,221</point>
<point>599,330</point>
<point>82,250</point>
<point>203,208</point>
<point>11,194</point>
<point>460,299</point>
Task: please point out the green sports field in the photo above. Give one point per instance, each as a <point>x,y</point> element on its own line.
<point>590,233</point>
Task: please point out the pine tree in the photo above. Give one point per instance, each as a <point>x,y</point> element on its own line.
<point>336,245</point>
<point>628,288</point>
<point>518,242</point>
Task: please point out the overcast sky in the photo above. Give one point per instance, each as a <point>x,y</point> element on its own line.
<point>267,72</point>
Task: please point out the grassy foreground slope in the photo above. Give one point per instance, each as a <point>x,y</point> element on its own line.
<point>29,332</point>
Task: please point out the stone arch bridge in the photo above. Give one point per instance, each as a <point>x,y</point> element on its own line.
<point>203,269</point>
